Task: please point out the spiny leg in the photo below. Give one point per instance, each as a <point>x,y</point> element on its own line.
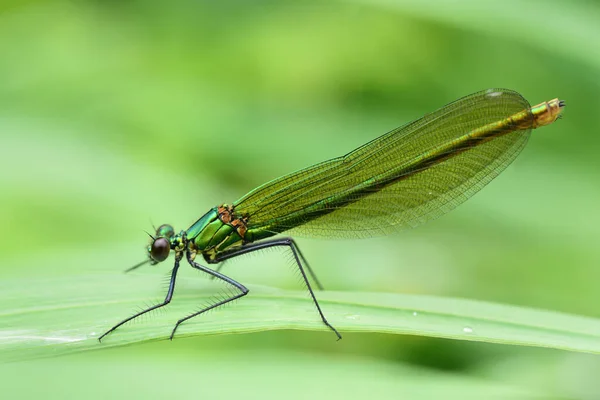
<point>164,303</point>
<point>218,269</point>
<point>289,242</point>
<point>307,265</point>
<point>215,274</point>
<point>304,262</point>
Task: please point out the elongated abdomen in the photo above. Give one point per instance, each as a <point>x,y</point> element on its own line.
<point>405,177</point>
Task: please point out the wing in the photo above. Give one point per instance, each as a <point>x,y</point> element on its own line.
<point>397,181</point>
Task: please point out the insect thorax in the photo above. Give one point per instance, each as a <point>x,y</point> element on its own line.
<point>217,231</point>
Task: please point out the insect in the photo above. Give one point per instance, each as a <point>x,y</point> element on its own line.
<point>406,177</point>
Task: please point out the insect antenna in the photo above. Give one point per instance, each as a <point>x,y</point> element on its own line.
<point>137,265</point>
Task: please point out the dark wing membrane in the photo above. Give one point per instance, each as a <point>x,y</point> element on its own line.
<point>376,189</point>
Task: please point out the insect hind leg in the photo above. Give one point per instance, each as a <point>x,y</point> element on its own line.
<point>298,257</point>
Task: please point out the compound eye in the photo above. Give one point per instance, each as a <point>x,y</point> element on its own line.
<point>159,250</point>
<point>165,230</point>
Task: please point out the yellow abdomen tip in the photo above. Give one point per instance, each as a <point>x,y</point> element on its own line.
<point>547,112</point>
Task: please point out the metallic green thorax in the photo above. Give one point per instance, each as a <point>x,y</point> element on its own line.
<point>216,231</point>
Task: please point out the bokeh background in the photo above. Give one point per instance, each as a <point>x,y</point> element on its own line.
<point>114,114</point>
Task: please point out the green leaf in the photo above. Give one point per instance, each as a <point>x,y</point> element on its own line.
<point>55,316</point>
<point>183,370</point>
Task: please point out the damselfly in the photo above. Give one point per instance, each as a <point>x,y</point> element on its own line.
<point>406,177</point>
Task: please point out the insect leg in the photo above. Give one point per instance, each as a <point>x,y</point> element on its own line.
<point>287,242</point>
<point>242,288</point>
<point>294,244</point>
<point>218,269</point>
<point>305,263</point>
<point>164,303</point>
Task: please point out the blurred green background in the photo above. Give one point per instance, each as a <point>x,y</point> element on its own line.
<point>117,113</point>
